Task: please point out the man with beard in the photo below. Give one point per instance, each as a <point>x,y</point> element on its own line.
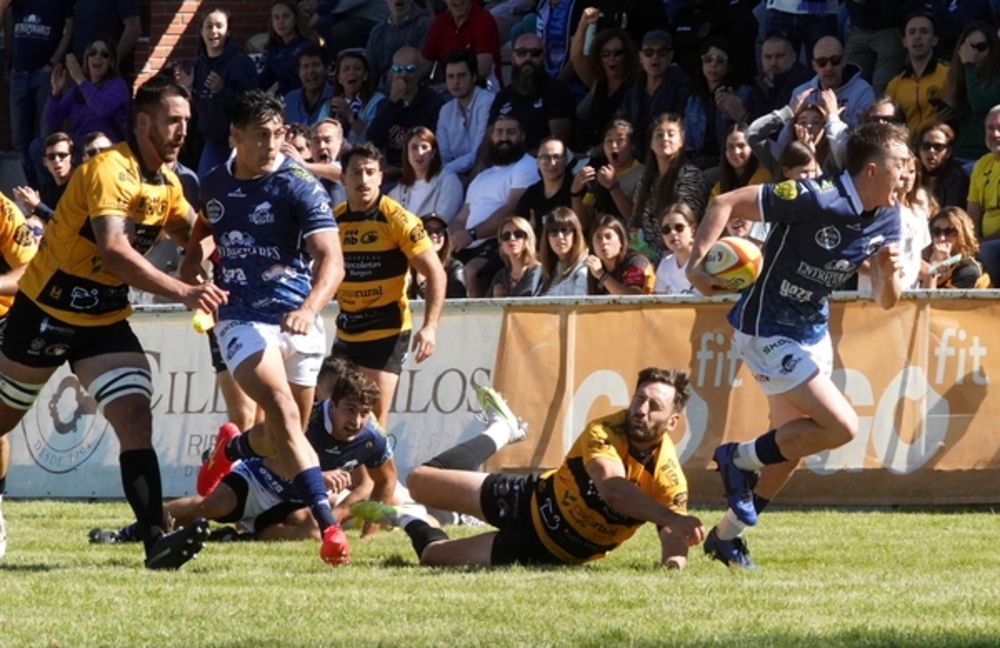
<point>311,102</point>
<point>621,472</point>
<point>72,304</point>
<point>781,73</point>
<point>490,198</point>
<point>409,104</point>
<point>543,104</point>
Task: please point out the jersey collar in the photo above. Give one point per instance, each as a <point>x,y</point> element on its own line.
<point>150,176</point>
<point>852,193</point>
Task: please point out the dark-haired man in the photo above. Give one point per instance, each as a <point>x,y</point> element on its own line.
<point>309,103</point>
<point>621,472</point>
<point>280,260</point>
<point>919,88</point>
<point>822,231</point>
<point>73,300</point>
<point>462,121</point>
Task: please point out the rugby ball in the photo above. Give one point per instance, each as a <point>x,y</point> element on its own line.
<point>734,260</point>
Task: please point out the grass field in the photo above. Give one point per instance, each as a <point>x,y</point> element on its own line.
<point>829,578</point>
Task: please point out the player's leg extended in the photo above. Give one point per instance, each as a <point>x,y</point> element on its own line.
<point>444,552</point>
<point>219,504</point>
<point>241,410</point>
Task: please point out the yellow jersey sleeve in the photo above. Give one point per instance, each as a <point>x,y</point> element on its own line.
<point>15,235</point>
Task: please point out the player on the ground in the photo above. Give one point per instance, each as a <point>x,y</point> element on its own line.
<point>280,260</point>
<point>73,300</point>
<point>621,472</point>
<point>822,231</point>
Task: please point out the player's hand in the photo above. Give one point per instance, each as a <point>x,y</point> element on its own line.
<point>298,322</point>
<point>191,271</point>
<point>207,296</point>
<point>336,480</point>
<point>702,281</point>
<point>424,343</point>
<point>689,528</point>
<point>460,240</point>
<point>889,259</point>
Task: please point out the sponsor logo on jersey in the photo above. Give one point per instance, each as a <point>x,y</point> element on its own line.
<point>82,299</point>
<point>22,236</point>
<point>36,345</point>
<point>350,237</point>
<point>797,293</point>
<point>830,278</point>
<point>47,325</point>
<point>262,214</point>
<point>277,272</point>
<point>768,348</point>
<point>234,276</point>
<point>828,238</point>
<point>56,350</point>
<point>787,190</point>
<point>418,233</point>
<point>214,211</point>
<point>237,193</point>
<point>369,237</point>
<point>872,246</point>
<point>240,245</point>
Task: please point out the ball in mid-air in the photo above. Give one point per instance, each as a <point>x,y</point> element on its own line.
<point>734,260</point>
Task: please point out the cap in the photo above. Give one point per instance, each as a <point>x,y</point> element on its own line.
<point>658,36</point>
<point>435,217</point>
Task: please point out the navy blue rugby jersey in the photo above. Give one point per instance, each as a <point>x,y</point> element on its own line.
<point>820,236</point>
<point>259,226</point>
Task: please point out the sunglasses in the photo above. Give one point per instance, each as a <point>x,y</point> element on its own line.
<point>676,227</point>
<point>650,52</point>
<point>560,231</point>
<point>709,59</point>
<point>58,155</point>
<point>533,52</point>
<point>511,235</point>
<point>610,54</point>
<point>823,61</point>
<point>549,159</point>
<point>91,152</point>
<point>411,68</point>
<point>933,146</point>
<point>36,230</point>
<point>981,46</point>
<point>104,54</point>
<point>944,231</point>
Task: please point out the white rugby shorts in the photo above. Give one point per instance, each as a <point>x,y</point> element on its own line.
<point>780,364</point>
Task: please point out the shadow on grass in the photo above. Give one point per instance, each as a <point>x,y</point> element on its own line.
<point>27,569</point>
<point>852,637</point>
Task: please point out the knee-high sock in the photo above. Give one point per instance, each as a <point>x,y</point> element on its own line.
<point>140,470</point>
<point>465,456</point>
<point>312,490</point>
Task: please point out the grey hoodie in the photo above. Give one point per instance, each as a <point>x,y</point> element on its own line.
<point>854,94</point>
<point>386,39</point>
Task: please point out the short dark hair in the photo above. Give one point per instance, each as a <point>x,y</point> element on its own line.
<point>357,386</point>
<point>254,107</point>
<point>867,143</point>
<point>676,378</point>
<point>57,137</point>
<point>463,56</point>
<point>918,14</point>
<point>150,94</point>
<point>312,50</point>
<point>334,367</point>
<point>365,150</point>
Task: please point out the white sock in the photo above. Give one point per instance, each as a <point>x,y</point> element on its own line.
<point>745,456</point>
<point>499,432</point>
<point>729,526</point>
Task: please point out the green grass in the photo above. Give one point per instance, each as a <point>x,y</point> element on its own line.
<point>829,578</point>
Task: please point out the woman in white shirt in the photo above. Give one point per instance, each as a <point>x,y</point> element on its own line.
<point>677,226</point>
<point>426,186</point>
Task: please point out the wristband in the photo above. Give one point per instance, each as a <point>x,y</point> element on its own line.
<point>604,277</point>
<point>472,233</point>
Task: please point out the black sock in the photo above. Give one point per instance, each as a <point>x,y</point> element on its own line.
<point>465,456</point>
<point>3,484</point>
<point>239,448</point>
<point>422,534</point>
<point>140,471</point>
<point>760,503</point>
<point>767,449</point>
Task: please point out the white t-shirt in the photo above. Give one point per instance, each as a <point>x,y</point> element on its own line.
<point>442,195</point>
<point>671,280</point>
<point>914,236</point>
<point>489,190</point>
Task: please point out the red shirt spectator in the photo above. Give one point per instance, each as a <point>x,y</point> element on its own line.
<point>466,25</point>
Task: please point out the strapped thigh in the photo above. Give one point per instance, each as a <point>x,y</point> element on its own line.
<point>18,395</point>
<point>122,381</point>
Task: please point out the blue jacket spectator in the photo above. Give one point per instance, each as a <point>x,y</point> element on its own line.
<point>285,41</point>
<point>406,25</point>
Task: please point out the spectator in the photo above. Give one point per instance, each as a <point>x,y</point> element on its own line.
<point>355,100</point>
<point>117,21</point>
<point>662,87</point>
<point>739,167</point>
<point>282,66</point>
<point>637,17</point>
<point>426,186</point>
<point>873,40</point>
<point>38,41</point>
<point>608,70</point>
<point>615,268</point>
<point>91,97</point>
<point>816,125</point>
<point>951,17</point>
<point>798,162</point>
<point>347,24</point>
<point>298,136</point>
<point>833,72</point>
<point>781,73</point>
<point>221,72</point>
<point>437,231</point>
<point>972,88</point>
<point>677,227</point>
<point>521,275</point>
<point>667,179</point>
<point>940,174</point>
<point>606,184</point>
<point>491,197</point>
<point>406,26</point>
<point>919,88</point>
<point>466,25</point>
<point>951,257</point>
<point>322,158</point>
<point>552,191</point>
<point>57,155</point>
<point>309,103</point>
<point>462,121</point>
<point>410,104</point>
<point>717,104</point>
<point>94,143</point>
<point>543,105</point>
<point>692,22</point>
<point>805,23</point>
<point>563,255</point>
<point>984,197</point>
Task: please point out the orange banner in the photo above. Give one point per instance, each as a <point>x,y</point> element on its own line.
<point>918,376</point>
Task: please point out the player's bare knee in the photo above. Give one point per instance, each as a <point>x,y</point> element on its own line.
<point>845,431</point>
<point>420,480</point>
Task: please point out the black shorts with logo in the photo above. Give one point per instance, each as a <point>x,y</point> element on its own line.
<point>36,339</point>
<point>506,502</point>
<point>385,354</point>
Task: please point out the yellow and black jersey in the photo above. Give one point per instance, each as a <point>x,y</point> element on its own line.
<point>66,278</point>
<point>572,520</point>
<point>378,245</point>
<point>17,246</point>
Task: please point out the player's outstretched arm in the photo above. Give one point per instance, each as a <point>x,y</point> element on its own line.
<point>886,265</point>
<point>328,272</point>
<point>198,247</point>
<point>119,258</point>
<point>428,264</point>
<point>739,203</point>
<point>625,497</point>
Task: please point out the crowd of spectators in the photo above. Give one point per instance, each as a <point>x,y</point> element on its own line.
<point>558,147</point>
